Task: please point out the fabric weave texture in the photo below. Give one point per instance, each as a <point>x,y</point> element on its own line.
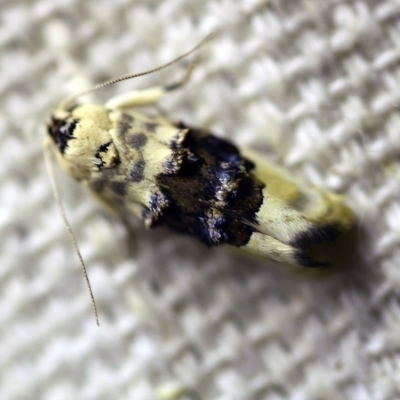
<point>312,84</point>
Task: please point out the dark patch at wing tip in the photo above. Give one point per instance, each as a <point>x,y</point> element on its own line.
<point>316,234</point>
<point>303,258</point>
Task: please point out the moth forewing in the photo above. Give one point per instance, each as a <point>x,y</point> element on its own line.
<point>187,179</point>
<point>195,183</point>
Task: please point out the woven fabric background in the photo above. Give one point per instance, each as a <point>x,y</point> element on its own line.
<point>313,84</point>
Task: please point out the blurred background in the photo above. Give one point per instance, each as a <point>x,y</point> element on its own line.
<point>314,85</point>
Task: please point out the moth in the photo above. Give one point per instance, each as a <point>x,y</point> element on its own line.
<point>189,180</point>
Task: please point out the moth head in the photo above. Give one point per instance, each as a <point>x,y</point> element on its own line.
<point>82,139</point>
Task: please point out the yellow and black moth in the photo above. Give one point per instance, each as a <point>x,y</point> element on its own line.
<point>185,178</point>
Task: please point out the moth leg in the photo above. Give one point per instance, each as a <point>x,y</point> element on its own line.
<point>147,97</point>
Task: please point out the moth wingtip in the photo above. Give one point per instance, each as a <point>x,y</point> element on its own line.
<point>305,259</point>
<point>317,234</point>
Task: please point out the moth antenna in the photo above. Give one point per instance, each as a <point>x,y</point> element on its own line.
<point>57,197</point>
<point>70,100</point>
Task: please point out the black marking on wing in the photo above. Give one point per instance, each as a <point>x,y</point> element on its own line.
<point>137,171</point>
<point>127,118</point>
<point>118,188</point>
<point>151,126</point>
<point>124,127</point>
<point>157,205</point>
<point>61,131</point>
<point>99,185</point>
<point>316,234</point>
<point>210,184</point>
<point>138,141</point>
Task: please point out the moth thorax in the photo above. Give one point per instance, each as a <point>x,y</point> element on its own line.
<point>84,144</point>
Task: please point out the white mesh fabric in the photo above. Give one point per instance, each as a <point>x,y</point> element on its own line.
<point>313,84</point>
